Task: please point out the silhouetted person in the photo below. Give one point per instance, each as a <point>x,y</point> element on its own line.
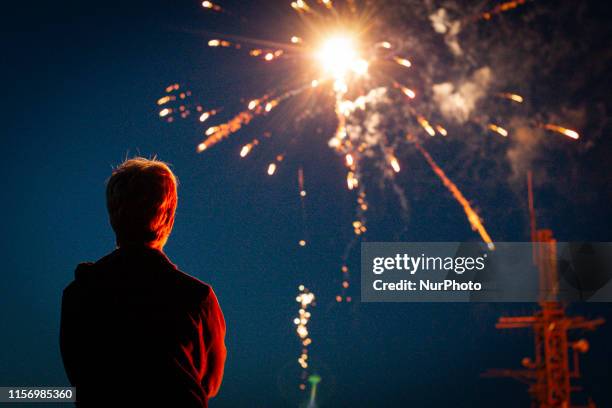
<point>136,331</point>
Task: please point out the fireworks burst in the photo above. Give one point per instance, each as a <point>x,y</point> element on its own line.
<point>348,63</point>
<point>345,56</point>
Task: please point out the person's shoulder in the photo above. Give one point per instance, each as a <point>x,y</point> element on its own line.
<point>86,272</point>
<point>81,275</point>
<point>192,284</point>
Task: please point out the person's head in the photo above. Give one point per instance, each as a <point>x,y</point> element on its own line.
<point>141,199</point>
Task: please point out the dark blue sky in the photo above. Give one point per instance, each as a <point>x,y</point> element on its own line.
<point>79,95</point>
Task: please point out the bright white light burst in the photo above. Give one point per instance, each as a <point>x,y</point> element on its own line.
<point>339,57</point>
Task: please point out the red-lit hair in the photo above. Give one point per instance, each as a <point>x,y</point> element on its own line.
<point>141,199</point>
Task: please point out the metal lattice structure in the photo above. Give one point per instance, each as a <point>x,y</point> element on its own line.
<point>548,375</point>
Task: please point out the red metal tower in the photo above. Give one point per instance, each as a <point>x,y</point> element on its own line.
<point>548,375</point>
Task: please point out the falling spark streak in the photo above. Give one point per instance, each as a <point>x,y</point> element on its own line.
<point>394,164</point>
<point>349,160</point>
<point>204,116</point>
<point>171,88</point>
<point>403,62</point>
<point>300,6</point>
<point>165,112</point>
<point>472,217</point>
<point>211,130</point>
<point>273,166</point>
<point>219,43</point>
<point>564,131</point>
<point>498,129</point>
<point>441,130</point>
<point>425,125</point>
<point>306,299</point>
<point>246,149</point>
<point>253,104</point>
<point>165,99</point>
<point>302,191</point>
<point>301,182</point>
<point>510,96</point>
<point>351,180</point>
<point>211,6</point>
<point>271,105</point>
<point>501,8</point>
<point>405,90</point>
<point>267,55</point>
<point>408,92</point>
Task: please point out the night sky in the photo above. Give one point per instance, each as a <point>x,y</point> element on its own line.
<point>80,82</point>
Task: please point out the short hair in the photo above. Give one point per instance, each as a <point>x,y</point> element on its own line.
<point>141,198</point>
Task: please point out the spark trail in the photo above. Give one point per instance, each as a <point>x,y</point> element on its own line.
<point>473,218</point>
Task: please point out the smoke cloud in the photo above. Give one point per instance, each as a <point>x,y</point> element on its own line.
<point>458,102</point>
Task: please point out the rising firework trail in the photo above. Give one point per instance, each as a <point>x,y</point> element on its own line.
<point>306,300</point>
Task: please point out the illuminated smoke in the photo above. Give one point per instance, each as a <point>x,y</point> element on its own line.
<point>450,29</point>
<point>458,102</point>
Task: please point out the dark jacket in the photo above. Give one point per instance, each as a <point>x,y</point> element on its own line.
<point>135,330</point>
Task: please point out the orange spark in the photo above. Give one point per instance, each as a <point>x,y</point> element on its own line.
<point>511,96</point>
<point>219,43</point>
<point>408,92</point>
<point>171,88</point>
<point>204,116</point>
<point>351,180</point>
<point>271,105</point>
<point>394,164</point>
<point>425,124</point>
<point>164,99</point>
<point>253,104</point>
<point>300,5</point>
<point>498,129</point>
<point>403,62</point>
<point>441,130</point>
<point>211,6</point>
<point>509,5</point>
<point>564,131</point>
<point>349,160</point>
<point>246,149</point>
